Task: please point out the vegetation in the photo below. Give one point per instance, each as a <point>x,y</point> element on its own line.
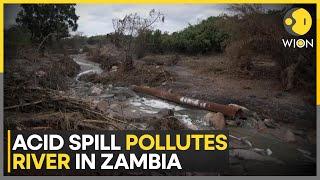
<point>255,31</point>
<point>134,26</point>
<point>43,20</point>
<point>246,32</point>
<point>195,39</point>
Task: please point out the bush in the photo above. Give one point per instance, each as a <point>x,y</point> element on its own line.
<point>254,31</point>
<point>195,39</point>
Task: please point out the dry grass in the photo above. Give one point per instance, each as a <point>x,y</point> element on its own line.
<point>208,65</point>
<point>261,67</point>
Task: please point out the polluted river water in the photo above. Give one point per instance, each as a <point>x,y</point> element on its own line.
<point>135,105</point>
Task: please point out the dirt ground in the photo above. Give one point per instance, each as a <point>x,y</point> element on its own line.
<point>211,78</point>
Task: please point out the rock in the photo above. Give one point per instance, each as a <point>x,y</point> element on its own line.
<point>268,152</point>
<point>41,73</point>
<point>102,106</point>
<point>169,123</point>
<point>231,123</point>
<point>261,125</point>
<point>312,137</point>
<point>165,113</point>
<point>289,136</point>
<point>299,132</point>
<point>270,123</point>
<point>115,107</point>
<point>215,120</point>
<point>94,104</point>
<point>304,151</point>
<point>114,68</point>
<point>96,90</point>
<point>124,94</point>
<point>251,155</point>
<point>107,96</point>
<point>265,152</point>
<point>191,127</point>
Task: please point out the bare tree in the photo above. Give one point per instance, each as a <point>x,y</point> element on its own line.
<point>130,27</point>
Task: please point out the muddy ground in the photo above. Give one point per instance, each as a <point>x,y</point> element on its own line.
<point>276,138</point>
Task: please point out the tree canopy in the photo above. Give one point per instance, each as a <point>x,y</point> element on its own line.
<point>43,20</point>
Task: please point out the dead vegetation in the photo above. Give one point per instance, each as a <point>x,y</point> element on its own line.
<point>29,68</point>
<point>255,31</point>
<point>35,100</point>
<point>45,109</point>
<point>260,67</point>
<point>142,74</point>
<point>36,97</point>
<point>107,55</point>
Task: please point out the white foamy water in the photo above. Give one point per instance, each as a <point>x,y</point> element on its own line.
<point>87,67</point>
<point>139,105</point>
<point>184,118</point>
<point>157,104</point>
<point>92,71</point>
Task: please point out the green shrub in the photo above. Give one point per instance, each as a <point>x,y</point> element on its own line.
<point>195,39</point>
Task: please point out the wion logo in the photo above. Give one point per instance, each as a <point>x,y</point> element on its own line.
<point>297,22</point>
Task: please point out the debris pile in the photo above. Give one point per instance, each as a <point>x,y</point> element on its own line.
<point>141,75</point>
<point>43,71</point>
<point>107,56</point>
<point>50,109</point>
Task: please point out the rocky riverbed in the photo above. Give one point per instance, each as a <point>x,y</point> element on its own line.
<point>255,144</point>
<point>53,95</point>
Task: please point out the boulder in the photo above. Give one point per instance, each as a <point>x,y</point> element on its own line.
<point>261,125</point>
<point>289,136</point>
<point>312,136</point>
<point>215,120</point>
<point>93,104</point>
<point>231,123</point>
<point>165,113</point>
<point>168,123</point>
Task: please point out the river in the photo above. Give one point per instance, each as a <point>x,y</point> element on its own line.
<point>134,105</point>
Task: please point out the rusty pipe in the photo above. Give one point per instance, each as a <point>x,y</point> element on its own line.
<point>210,106</point>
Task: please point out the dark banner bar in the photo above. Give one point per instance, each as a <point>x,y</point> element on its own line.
<point>115,152</point>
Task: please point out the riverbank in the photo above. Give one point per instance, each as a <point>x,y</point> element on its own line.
<point>85,105</point>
